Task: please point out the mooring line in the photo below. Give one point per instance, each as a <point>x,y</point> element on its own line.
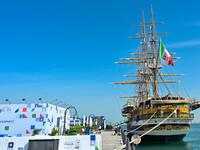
<point>143,123</point>
<point>124,146</point>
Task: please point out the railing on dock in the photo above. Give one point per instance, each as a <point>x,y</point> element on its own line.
<point>126,141</point>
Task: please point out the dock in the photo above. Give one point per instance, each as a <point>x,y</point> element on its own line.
<point>110,141</point>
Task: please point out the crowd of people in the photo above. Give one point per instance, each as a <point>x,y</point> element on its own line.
<point>87,129</point>
<point>117,130</point>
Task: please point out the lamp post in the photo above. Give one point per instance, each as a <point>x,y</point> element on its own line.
<point>7,100</point>
<point>91,116</point>
<point>40,99</point>
<point>65,116</point>
<point>53,101</point>
<point>24,100</point>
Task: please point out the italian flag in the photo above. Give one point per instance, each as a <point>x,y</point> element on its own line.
<point>165,56</point>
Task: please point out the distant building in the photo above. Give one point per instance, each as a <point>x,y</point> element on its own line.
<point>22,119</point>
<point>91,120</point>
<point>74,122</point>
<point>100,120</point>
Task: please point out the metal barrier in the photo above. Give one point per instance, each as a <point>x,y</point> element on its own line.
<point>124,137</point>
<point>137,138</point>
<point>126,141</point>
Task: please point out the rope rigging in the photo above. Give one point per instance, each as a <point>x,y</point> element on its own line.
<point>182,84</point>
<point>143,123</point>
<point>124,146</point>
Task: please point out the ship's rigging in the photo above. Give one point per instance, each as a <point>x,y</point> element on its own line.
<point>150,72</point>
<point>158,108</point>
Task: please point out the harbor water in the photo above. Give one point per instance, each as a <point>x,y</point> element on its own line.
<point>190,142</point>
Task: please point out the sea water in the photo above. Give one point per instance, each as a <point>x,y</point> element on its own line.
<point>190,142</point>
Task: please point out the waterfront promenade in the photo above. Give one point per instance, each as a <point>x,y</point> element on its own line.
<point>109,141</point>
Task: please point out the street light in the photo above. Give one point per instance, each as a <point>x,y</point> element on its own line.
<point>93,116</point>
<point>40,99</point>
<point>24,100</point>
<point>76,116</point>
<point>58,103</point>
<point>53,101</point>
<point>7,100</point>
<point>65,116</point>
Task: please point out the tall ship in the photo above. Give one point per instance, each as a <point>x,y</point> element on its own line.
<point>159,107</point>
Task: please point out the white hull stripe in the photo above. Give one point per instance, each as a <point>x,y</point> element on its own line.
<point>162,132</point>
<point>155,122</point>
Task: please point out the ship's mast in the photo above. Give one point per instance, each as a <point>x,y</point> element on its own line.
<point>147,61</point>
<point>153,47</point>
<point>145,56</point>
<point>140,90</point>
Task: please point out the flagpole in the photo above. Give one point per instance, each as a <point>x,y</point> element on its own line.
<point>158,54</point>
<point>156,70</point>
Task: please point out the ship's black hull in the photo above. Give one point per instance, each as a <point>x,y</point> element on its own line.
<point>166,132</point>
<point>160,138</point>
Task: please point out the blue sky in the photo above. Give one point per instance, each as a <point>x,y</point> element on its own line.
<point>66,49</point>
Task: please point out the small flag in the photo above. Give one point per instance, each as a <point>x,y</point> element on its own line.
<point>96,148</point>
<point>165,57</point>
<point>27,132</point>
<point>17,110</point>
<point>24,110</point>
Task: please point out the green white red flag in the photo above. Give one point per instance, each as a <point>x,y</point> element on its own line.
<point>165,57</point>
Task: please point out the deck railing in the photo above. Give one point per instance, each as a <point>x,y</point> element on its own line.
<point>177,116</point>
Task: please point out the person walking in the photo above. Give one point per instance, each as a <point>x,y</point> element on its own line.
<point>87,130</point>
<point>83,131</point>
<point>99,127</point>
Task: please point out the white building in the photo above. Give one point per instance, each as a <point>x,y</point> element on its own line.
<point>22,119</point>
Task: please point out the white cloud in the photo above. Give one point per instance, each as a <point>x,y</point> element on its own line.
<point>184,44</point>
<point>196,24</point>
